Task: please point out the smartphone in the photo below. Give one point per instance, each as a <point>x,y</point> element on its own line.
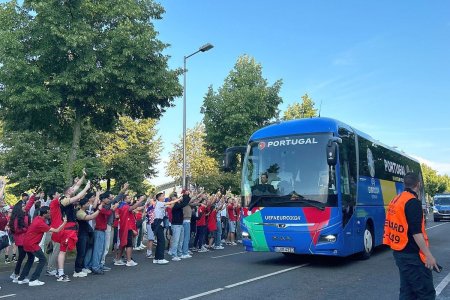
<point>439,269</point>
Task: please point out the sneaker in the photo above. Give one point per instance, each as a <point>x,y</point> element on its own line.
<point>131,263</point>
<point>156,261</point>
<point>26,280</point>
<point>135,249</point>
<point>233,244</point>
<point>13,275</point>
<point>7,260</point>
<point>51,273</point>
<point>63,278</point>
<point>223,241</point>
<point>119,263</point>
<point>79,274</point>
<point>190,252</point>
<point>36,283</point>
<point>150,256</point>
<point>105,269</point>
<point>36,260</point>
<point>176,258</point>
<point>218,248</point>
<point>186,256</point>
<point>86,270</point>
<point>99,272</point>
<point>202,250</point>
<point>163,261</point>
<point>14,258</point>
<point>239,241</point>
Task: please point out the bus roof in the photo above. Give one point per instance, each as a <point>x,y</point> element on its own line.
<point>313,125</point>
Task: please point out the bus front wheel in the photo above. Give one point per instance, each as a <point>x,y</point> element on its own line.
<point>368,240</point>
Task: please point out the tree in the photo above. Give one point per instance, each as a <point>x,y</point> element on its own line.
<point>242,105</point>
<point>434,183</point>
<point>298,111</point>
<point>198,163</point>
<point>65,64</point>
<point>131,152</point>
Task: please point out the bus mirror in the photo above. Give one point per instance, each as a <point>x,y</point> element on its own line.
<point>332,151</point>
<point>229,162</point>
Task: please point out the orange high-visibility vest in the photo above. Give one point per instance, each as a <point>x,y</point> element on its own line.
<point>396,226</point>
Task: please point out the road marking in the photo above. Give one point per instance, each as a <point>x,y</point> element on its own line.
<point>228,254</point>
<point>265,276</point>
<point>203,294</point>
<point>443,284</point>
<point>243,282</point>
<point>6,296</point>
<point>436,226</point>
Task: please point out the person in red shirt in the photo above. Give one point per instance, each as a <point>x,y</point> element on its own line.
<point>199,241</point>
<point>232,219</point>
<point>31,242</point>
<point>18,225</point>
<point>127,230</point>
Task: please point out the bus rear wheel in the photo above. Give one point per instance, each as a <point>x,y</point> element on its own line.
<point>368,241</point>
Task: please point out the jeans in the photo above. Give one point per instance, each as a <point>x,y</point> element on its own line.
<point>53,260</point>
<point>107,244</point>
<point>37,272</point>
<point>159,252</point>
<point>99,248</point>
<point>20,259</point>
<point>81,251</point>
<point>176,244</point>
<point>218,237</point>
<point>224,221</point>
<point>187,237</point>
<point>416,281</point>
<point>88,257</point>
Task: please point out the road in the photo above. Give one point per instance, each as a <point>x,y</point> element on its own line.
<point>233,274</point>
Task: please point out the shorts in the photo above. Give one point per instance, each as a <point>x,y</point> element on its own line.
<point>69,240</point>
<point>232,226</point>
<point>129,239</point>
<point>150,234</point>
<point>212,234</point>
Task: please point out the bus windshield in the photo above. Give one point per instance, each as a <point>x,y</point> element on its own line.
<point>289,171</point>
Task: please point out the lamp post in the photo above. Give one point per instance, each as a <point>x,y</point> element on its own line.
<point>203,48</point>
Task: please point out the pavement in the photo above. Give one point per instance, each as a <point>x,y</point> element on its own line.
<point>233,273</point>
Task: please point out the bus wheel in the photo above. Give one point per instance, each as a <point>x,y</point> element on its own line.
<point>368,240</point>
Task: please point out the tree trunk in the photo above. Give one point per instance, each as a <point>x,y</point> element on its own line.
<point>108,184</point>
<point>75,146</point>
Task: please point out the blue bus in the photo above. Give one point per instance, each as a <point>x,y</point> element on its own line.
<point>317,186</point>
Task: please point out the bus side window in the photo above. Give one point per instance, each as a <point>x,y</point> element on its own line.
<point>347,161</point>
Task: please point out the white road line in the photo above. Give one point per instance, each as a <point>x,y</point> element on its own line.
<point>203,294</point>
<point>443,284</point>
<point>6,296</point>
<point>244,282</point>
<point>436,226</point>
<point>264,276</point>
<point>228,254</point>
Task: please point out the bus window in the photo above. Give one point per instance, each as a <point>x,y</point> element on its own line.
<point>347,161</point>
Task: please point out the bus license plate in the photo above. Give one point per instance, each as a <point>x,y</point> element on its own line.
<point>284,249</point>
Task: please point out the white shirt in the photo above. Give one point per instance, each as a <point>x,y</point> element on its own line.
<point>160,210</point>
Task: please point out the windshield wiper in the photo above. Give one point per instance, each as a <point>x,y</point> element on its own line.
<point>312,203</point>
<point>261,197</point>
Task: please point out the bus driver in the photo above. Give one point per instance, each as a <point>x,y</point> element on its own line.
<point>264,188</point>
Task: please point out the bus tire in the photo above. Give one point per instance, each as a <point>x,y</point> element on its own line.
<point>368,241</point>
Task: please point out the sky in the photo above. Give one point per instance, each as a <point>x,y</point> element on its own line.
<point>382,67</point>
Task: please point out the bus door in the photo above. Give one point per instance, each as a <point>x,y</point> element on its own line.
<point>348,183</point>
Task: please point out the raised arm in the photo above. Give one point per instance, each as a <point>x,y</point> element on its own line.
<point>2,188</point>
<point>78,183</point>
<point>81,194</point>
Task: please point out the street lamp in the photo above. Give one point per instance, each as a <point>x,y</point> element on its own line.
<point>203,48</point>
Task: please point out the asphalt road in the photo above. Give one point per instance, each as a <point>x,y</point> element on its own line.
<point>233,274</point>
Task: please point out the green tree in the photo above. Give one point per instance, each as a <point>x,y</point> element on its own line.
<point>198,163</point>
<point>306,109</point>
<point>434,183</point>
<point>131,152</point>
<point>243,104</point>
<point>68,64</point>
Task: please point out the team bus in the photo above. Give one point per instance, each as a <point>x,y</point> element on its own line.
<point>317,186</point>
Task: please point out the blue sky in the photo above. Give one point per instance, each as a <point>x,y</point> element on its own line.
<point>380,66</point>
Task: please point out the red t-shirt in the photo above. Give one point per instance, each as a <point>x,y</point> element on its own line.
<point>138,216</point>
<point>232,216</point>
<point>55,213</point>
<point>101,222</point>
<point>212,220</point>
<point>202,214</point>
<point>3,221</point>
<point>34,234</point>
<point>127,215</point>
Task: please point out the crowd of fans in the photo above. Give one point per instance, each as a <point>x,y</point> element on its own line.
<point>93,223</point>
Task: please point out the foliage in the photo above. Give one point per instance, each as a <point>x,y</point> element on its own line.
<point>434,183</point>
<point>298,111</point>
<point>242,105</point>
<point>222,180</point>
<point>198,163</point>
<point>70,64</point>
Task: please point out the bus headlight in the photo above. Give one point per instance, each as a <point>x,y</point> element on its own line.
<point>329,238</point>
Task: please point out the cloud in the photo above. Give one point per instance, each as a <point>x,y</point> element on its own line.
<point>441,167</point>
